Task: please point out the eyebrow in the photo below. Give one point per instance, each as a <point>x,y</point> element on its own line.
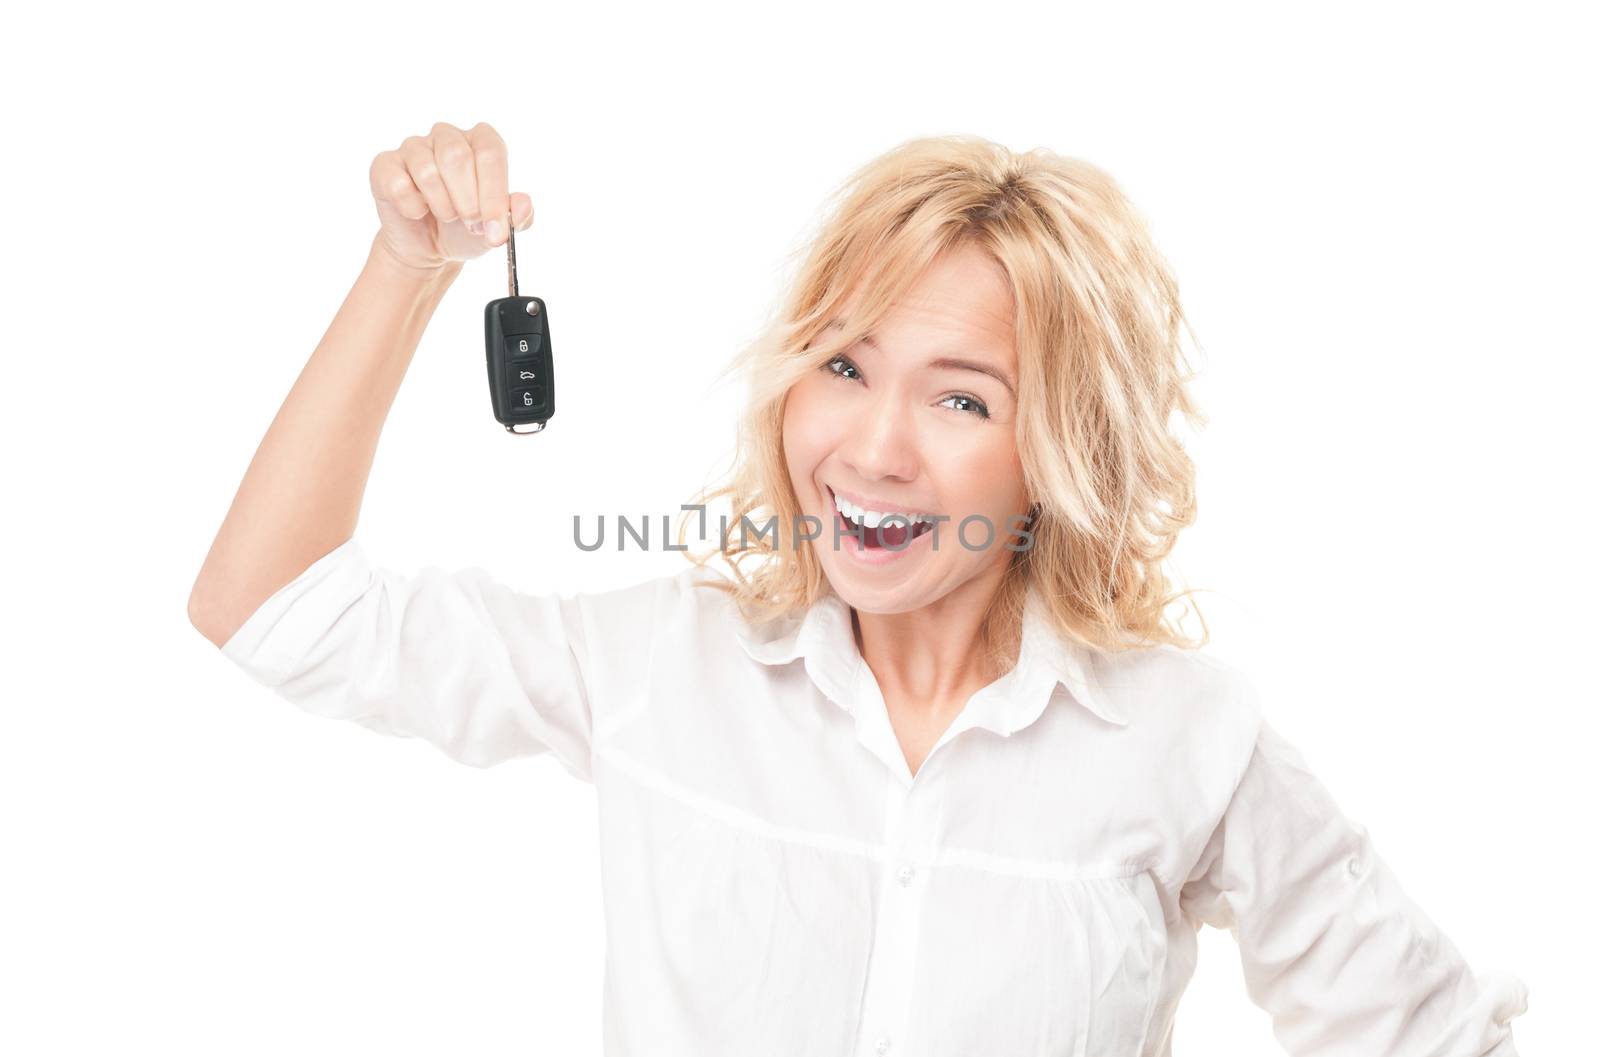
<point>957,363</point>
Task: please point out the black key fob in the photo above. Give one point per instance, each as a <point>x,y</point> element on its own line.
<point>517,347</point>
<point>516,334</point>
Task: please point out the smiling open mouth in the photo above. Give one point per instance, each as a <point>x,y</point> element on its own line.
<point>894,533</point>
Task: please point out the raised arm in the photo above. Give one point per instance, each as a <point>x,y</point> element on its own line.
<point>441,200</point>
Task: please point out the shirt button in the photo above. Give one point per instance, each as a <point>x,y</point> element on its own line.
<point>904,877</point>
<point>882,1045</point>
<point>1355,866</point>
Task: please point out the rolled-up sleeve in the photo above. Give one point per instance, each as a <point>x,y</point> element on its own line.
<point>1332,948</point>
<point>483,672</point>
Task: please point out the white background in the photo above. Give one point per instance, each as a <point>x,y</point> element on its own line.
<point>1384,224</point>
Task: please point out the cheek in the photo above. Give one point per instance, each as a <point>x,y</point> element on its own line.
<point>805,426</point>
<point>987,476</point>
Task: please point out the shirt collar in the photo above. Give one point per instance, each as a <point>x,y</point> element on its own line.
<point>824,639</point>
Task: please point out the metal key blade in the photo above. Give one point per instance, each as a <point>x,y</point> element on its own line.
<point>511,253</point>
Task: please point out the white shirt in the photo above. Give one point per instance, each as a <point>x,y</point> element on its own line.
<point>776,881</point>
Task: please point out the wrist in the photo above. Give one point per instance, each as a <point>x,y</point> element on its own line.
<point>382,259</point>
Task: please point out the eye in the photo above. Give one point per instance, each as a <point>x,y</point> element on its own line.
<point>840,359</point>
<point>843,364</point>
<point>977,407</point>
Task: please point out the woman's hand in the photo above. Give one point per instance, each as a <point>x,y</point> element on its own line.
<point>443,197</point>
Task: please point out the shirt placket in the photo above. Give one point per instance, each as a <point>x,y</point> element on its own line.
<point>891,971</point>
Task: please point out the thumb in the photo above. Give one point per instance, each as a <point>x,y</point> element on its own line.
<point>521,210</point>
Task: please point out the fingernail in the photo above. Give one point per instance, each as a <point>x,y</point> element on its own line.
<point>495,230</point>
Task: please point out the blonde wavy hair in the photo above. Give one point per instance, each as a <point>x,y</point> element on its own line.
<point>1101,372</point>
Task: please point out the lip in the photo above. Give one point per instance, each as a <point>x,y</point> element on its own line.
<point>880,505</point>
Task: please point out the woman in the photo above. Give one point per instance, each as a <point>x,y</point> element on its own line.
<point>931,772</point>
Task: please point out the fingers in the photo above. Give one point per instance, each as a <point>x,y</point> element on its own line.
<point>392,183</point>
<point>521,211</point>
<point>416,153</point>
<point>489,159</point>
<point>457,165</point>
<point>455,176</point>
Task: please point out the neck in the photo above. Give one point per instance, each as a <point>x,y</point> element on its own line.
<point>932,658</point>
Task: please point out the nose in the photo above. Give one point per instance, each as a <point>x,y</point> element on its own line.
<point>882,442</point>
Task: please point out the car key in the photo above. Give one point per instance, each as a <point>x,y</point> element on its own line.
<point>516,334</point>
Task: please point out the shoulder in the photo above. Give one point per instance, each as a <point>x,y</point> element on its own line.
<point>1168,685</point>
<point>1198,707</point>
<point>688,601</point>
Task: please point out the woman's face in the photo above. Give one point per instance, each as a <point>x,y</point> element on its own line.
<point>920,419</point>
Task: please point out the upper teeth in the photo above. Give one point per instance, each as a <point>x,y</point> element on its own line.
<point>874,518</point>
